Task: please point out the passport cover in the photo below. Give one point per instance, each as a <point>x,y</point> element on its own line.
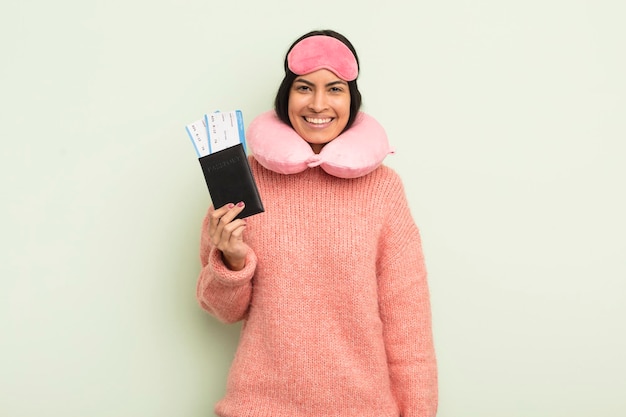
<point>229,180</point>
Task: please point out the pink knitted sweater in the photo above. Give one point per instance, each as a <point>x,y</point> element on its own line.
<point>335,301</point>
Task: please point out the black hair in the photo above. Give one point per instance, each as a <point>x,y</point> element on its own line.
<point>281,102</point>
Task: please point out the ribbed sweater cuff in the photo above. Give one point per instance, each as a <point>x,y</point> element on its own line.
<point>228,277</point>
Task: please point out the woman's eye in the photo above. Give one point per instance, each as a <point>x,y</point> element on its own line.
<point>303,88</point>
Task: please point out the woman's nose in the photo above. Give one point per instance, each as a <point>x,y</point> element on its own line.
<point>318,102</point>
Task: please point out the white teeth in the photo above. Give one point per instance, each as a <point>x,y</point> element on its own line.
<point>318,121</point>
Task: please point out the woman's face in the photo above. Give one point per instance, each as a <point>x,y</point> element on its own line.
<point>319,107</point>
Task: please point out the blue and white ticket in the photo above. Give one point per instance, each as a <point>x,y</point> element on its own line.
<point>198,134</point>
<point>216,131</point>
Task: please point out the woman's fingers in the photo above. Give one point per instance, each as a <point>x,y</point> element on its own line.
<point>222,226</point>
<point>231,230</point>
<point>216,215</point>
<point>227,235</point>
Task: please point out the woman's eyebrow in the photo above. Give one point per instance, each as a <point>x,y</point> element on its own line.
<point>302,80</point>
<point>310,84</point>
<point>342,82</point>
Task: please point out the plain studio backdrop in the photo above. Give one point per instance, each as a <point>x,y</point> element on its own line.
<point>509,122</point>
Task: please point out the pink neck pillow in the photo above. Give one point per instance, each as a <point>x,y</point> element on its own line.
<point>356,152</point>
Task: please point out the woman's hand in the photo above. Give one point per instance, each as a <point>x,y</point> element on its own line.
<point>227,234</point>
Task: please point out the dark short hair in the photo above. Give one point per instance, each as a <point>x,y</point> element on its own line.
<point>281,102</point>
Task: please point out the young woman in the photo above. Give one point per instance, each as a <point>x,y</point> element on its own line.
<point>330,280</point>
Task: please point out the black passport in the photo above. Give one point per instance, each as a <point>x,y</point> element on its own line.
<point>229,179</point>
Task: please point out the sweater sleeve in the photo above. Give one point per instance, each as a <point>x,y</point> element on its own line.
<point>222,292</point>
<point>406,312</point>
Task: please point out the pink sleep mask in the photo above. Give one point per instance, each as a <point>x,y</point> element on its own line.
<point>317,52</point>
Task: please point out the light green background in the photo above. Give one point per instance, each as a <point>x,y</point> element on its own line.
<point>509,121</point>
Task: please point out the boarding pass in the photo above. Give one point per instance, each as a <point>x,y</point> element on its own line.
<point>216,131</point>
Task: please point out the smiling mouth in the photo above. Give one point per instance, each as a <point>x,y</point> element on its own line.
<point>317,121</point>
